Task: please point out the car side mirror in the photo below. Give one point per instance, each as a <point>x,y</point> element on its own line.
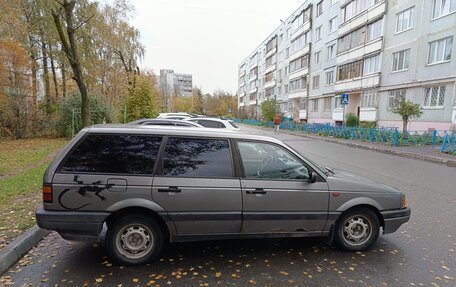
<point>313,177</point>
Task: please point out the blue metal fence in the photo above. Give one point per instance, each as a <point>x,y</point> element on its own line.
<point>449,143</point>
<point>383,135</point>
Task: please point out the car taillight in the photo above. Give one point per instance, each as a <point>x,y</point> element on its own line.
<point>47,194</point>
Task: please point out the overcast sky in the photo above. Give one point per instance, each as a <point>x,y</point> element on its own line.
<point>206,38</point>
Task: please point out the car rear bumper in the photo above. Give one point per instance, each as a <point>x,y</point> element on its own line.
<point>395,218</point>
<point>72,225</point>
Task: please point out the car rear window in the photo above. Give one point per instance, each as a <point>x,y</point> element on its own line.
<point>195,157</point>
<point>116,154</point>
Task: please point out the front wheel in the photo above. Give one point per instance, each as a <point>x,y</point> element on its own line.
<point>134,240</point>
<point>357,230</point>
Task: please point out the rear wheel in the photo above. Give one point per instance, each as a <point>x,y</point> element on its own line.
<point>134,240</point>
<point>357,229</point>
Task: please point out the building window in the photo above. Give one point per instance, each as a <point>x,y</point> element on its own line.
<point>371,65</point>
<point>286,71</point>
<point>268,77</point>
<point>374,30</point>
<point>356,7</point>
<point>401,60</point>
<point>369,99</point>
<point>443,7</point>
<point>299,63</point>
<point>337,102</point>
<point>316,82</point>
<point>297,85</point>
<point>286,89</point>
<point>331,51</point>
<point>287,53</point>
<point>299,43</point>
<point>333,24</point>
<point>319,8</point>
<point>404,20</point>
<point>279,91</point>
<point>440,50</point>
<point>395,97</point>
<point>280,56</point>
<point>272,44</point>
<point>315,105</point>
<point>269,92</point>
<point>329,78</point>
<point>317,57</point>
<point>302,18</point>
<point>327,104</point>
<point>270,61</point>
<point>350,70</point>
<point>318,34</point>
<point>434,96</point>
<point>352,40</point>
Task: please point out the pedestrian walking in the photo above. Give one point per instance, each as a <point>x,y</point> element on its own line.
<point>276,124</point>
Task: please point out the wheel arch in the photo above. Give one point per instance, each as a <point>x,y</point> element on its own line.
<point>138,210</point>
<point>368,206</point>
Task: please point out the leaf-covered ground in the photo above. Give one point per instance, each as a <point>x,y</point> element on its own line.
<point>22,164</point>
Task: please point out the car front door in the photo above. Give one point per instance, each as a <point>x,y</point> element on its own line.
<point>195,184</point>
<point>278,196</point>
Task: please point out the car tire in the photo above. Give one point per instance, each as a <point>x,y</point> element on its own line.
<point>357,229</point>
<point>134,240</point>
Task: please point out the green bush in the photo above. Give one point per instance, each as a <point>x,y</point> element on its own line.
<point>70,107</point>
<point>351,121</point>
<point>269,109</point>
<point>368,125</point>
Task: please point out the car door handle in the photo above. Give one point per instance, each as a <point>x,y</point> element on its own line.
<point>173,189</point>
<point>256,191</point>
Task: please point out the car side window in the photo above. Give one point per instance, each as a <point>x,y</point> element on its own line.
<point>114,154</point>
<point>269,161</point>
<point>211,124</point>
<point>197,157</point>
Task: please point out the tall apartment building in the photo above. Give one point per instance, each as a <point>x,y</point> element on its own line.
<point>176,84</point>
<point>374,50</point>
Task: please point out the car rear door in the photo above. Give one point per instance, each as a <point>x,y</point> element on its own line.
<point>195,184</point>
<point>103,169</point>
<point>278,196</point>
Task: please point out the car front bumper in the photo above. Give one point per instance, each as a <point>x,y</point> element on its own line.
<point>395,218</point>
<point>72,225</point>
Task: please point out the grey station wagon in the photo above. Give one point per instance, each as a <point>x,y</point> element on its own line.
<point>151,185</point>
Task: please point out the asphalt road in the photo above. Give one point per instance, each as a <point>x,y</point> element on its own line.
<point>421,253</point>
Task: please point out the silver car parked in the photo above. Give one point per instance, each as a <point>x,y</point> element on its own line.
<point>153,185</point>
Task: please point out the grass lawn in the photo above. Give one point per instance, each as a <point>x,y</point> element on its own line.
<point>22,164</point>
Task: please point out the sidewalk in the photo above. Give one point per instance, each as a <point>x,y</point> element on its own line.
<point>429,153</point>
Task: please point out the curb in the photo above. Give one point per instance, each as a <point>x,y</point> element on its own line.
<point>448,162</point>
<point>21,245</point>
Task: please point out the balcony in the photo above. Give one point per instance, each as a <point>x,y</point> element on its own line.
<point>241,95</point>
<point>300,30</point>
<point>270,53</point>
<point>298,94</point>
<point>242,74</point>
<point>253,78</point>
<point>358,52</point>
<point>269,84</point>
<point>356,84</point>
<point>270,68</point>
<point>362,18</point>
<point>338,114</point>
<point>300,53</point>
<point>253,90</point>
<point>241,104</point>
<point>252,103</point>
<point>368,114</point>
<point>298,73</point>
